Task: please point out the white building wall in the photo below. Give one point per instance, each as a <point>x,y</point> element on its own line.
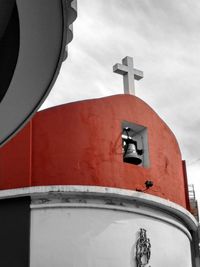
<point>97,233</point>
<point>84,237</point>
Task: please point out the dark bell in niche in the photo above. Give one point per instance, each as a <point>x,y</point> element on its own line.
<point>131,152</point>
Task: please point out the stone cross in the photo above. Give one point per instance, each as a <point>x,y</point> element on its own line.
<point>129,74</point>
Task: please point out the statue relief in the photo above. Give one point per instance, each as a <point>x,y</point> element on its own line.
<point>143,249</point>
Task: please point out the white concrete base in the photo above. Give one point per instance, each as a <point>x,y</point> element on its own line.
<point>97,237</point>
<point>85,226</point>
<point>99,227</point>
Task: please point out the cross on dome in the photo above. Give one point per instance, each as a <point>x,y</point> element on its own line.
<point>129,74</point>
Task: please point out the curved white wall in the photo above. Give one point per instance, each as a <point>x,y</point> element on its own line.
<point>94,231</point>
<point>84,237</point>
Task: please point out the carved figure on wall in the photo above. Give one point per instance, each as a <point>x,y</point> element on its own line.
<point>143,249</point>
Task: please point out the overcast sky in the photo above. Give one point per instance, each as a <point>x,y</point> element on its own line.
<point>163,37</point>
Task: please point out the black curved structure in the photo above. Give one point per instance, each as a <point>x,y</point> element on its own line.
<point>33,39</point>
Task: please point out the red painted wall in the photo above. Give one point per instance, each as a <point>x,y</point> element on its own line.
<point>80,144</point>
<point>15,161</point>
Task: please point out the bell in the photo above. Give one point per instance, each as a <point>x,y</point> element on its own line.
<point>132,154</point>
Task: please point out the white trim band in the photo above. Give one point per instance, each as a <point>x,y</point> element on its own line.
<point>128,195</point>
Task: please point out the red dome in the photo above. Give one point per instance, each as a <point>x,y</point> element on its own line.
<point>80,144</point>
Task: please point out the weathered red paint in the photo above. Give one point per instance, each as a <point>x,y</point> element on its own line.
<point>186,185</point>
<point>80,144</point>
<point>15,161</point>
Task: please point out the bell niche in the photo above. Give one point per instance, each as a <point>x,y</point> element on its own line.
<point>135,144</point>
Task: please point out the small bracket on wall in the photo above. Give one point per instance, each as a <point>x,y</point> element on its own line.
<point>143,249</point>
<point>148,184</point>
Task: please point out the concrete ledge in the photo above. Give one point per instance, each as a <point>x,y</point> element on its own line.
<point>143,199</point>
